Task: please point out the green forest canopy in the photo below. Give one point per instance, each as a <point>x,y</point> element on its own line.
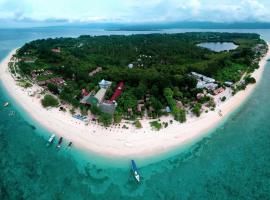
<point>160,61</point>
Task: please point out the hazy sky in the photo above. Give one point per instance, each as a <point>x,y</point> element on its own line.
<point>136,10</point>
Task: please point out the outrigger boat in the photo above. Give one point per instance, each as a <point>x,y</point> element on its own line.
<point>51,139</point>
<point>6,104</point>
<point>69,144</point>
<point>60,142</point>
<point>135,171</point>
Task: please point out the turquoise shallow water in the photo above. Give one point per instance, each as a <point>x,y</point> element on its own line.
<point>231,163</point>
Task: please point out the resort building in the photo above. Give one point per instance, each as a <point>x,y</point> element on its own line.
<point>204,82</point>
<point>56,50</point>
<point>104,84</point>
<point>228,83</point>
<point>117,92</point>
<point>203,78</point>
<point>97,70</point>
<point>218,91</point>
<point>100,95</point>
<point>205,85</point>
<point>106,106</point>
<point>130,66</point>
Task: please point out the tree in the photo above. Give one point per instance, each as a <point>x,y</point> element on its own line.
<point>105,119</point>
<point>138,124</point>
<point>179,114</point>
<point>117,117</point>
<point>53,88</point>
<point>155,103</point>
<point>155,91</point>
<point>127,100</point>
<point>49,101</point>
<point>95,110</point>
<point>197,109</point>
<point>250,80</point>
<point>140,90</point>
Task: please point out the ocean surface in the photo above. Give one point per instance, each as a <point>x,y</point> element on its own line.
<point>233,162</point>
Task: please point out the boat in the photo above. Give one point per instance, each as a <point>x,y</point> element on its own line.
<point>69,144</point>
<point>51,139</point>
<point>135,171</point>
<point>60,142</point>
<point>6,104</point>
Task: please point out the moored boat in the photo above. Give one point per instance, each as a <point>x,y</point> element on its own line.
<point>69,144</point>
<point>135,171</point>
<point>60,142</point>
<point>51,139</point>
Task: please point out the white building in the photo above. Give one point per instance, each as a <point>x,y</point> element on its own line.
<point>105,84</point>
<point>130,66</point>
<point>203,78</point>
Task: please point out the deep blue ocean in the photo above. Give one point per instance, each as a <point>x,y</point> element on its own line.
<point>233,162</point>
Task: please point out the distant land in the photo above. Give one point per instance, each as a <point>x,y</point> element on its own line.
<point>137,26</point>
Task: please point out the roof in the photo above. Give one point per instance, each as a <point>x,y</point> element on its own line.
<point>105,84</point>
<point>89,99</point>
<point>107,108</point>
<point>100,94</point>
<point>118,91</point>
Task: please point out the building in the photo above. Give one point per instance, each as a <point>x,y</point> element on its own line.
<point>205,85</point>
<point>90,100</point>
<point>84,92</point>
<point>228,83</point>
<point>56,50</point>
<point>28,60</point>
<point>117,92</point>
<point>100,95</point>
<point>203,78</point>
<point>218,91</point>
<point>108,107</point>
<point>97,70</point>
<point>104,84</point>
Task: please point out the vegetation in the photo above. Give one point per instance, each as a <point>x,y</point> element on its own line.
<point>161,68</point>
<point>138,124</point>
<point>223,99</point>
<point>156,125</point>
<point>197,109</point>
<point>49,101</point>
<point>53,88</point>
<point>105,119</point>
<point>179,114</point>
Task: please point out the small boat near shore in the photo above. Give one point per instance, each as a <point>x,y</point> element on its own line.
<point>6,104</point>
<point>69,144</point>
<point>60,142</point>
<point>135,171</point>
<point>50,140</point>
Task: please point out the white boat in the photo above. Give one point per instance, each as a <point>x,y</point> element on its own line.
<point>6,104</point>
<point>135,171</point>
<point>50,141</point>
<point>60,142</point>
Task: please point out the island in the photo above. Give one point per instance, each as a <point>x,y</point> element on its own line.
<point>134,95</point>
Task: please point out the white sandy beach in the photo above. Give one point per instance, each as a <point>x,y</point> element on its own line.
<point>118,142</point>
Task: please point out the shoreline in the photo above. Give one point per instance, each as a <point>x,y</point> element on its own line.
<point>124,143</point>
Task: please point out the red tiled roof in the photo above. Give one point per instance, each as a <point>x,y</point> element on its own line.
<point>118,91</point>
